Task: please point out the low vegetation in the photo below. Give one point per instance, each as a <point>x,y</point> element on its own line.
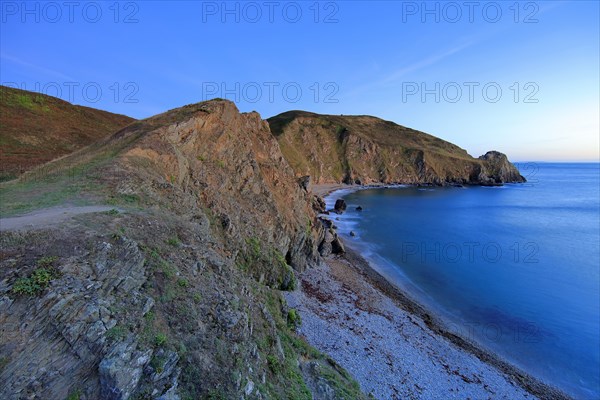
<point>39,279</point>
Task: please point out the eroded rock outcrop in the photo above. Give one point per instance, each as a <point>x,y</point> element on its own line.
<point>497,169</point>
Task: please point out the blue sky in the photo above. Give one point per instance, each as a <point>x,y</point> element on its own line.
<point>521,78</point>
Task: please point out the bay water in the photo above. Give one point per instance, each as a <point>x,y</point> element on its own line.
<point>515,268</point>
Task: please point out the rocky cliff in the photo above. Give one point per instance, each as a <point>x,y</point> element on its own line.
<point>364,149</point>
<point>176,292</point>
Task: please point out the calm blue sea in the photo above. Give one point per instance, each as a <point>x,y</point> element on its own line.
<point>516,268</point>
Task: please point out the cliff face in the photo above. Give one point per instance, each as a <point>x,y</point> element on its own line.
<point>177,293</point>
<point>363,149</point>
<point>35,128</point>
<point>210,156</point>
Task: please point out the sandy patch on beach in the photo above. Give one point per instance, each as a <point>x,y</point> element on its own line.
<point>325,189</point>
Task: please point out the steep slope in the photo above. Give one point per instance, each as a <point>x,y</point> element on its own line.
<point>364,149</point>
<point>35,128</point>
<point>177,293</point>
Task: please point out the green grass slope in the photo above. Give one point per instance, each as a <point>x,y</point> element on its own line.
<point>36,128</point>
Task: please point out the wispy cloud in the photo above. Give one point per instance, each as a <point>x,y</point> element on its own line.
<point>411,68</point>
<point>424,63</point>
<point>38,68</point>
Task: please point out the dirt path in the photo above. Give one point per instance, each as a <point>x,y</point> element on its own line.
<point>47,217</point>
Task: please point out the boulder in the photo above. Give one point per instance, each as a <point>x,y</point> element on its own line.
<point>359,208</point>
<point>325,247</point>
<point>337,246</point>
<point>340,206</point>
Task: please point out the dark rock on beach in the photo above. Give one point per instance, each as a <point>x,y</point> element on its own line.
<point>337,246</point>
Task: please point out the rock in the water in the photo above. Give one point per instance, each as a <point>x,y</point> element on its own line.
<point>359,208</point>
<point>352,233</point>
<point>340,206</point>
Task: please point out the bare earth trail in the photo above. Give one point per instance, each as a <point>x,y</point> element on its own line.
<point>47,217</point>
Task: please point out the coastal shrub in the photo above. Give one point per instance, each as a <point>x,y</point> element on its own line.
<point>309,226</point>
<point>267,265</point>
<point>216,394</point>
<point>3,363</point>
<point>167,269</point>
<point>255,248</point>
<point>24,101</point>
<point>174,241</point>
<point>275,366</point>
<point>158,363</point>
<point>182,283</point>
<point>160,339</point>
<point>340,130</point>
<point>115,236</point>
<point>38,280</point>
<point>169,293</point>
<point>74,395</point>
<point>120,234</point>
<point>46,262</point>
<point>115,333</point>
<point>293,318</point>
